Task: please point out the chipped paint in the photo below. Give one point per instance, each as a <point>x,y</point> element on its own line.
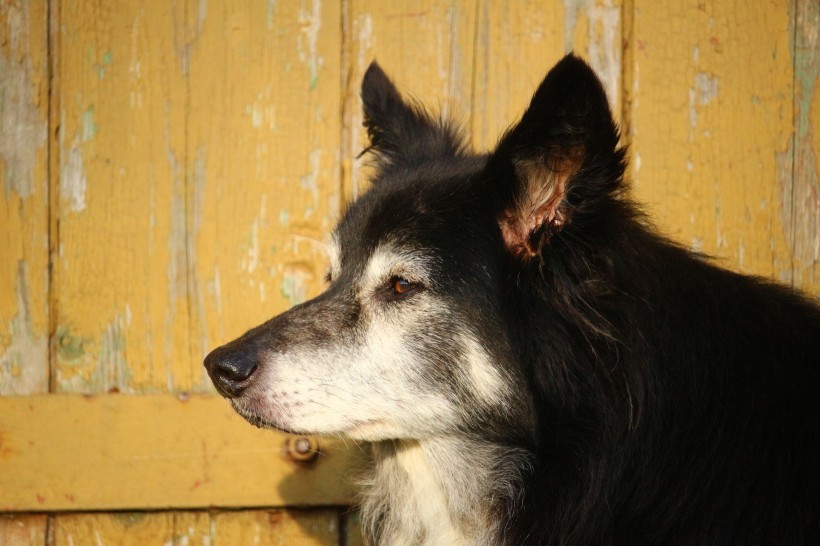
<point>23,352</point>
<point>310,23</point>
<point>802,192</point>
<point>72,178</point>
<point>177,272</point>
<point>271,13</point>
<point>112,362</point>
<point>310,181</point>
<point>89,126</point>
<point>186,36</point>
<point>605,49</point>
<point>22,126</point>
<point>295,279</point>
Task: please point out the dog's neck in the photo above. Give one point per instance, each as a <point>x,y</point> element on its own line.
<point>439,491</point>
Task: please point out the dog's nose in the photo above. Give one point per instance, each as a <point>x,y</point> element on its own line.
<point>230,369</point>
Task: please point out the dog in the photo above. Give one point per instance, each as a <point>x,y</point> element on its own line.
<point>531,362</point>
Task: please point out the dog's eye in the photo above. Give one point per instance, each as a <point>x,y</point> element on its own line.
<point>328,278</point>
<point>401,286</point>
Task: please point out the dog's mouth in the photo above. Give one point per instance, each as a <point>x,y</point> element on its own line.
<point>363,429</point>
<point>260,422</point>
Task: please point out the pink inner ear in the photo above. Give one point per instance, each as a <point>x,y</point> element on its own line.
<point>545,187</point>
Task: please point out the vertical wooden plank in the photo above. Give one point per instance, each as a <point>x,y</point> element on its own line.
<point>263,153</point>
<point>426,47</point>
<point>518,42</point>
<point>23,530</point>
<point>131,529</point>
<point>804,201</point>
<point>23,197</point>
<point>711,123</point>
<point>120,272</point>
<point>276,528</point>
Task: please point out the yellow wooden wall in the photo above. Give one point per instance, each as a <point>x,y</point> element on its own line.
<point>169,170</point>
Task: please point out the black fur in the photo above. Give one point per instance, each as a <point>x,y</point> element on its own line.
<point>667,401</point>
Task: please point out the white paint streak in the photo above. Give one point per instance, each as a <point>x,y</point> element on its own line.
<point>363,31</point>
<point>310,181</point>
<point>177,261</point>
<point>702,92</point>
<point>24,361</point>
<point>571,9</point>
<point>706,86</point>
<point>72,178</point>
<point>605,48</point>
<point>309,32</point>
<point>21,125</point>
<point>294,283</point>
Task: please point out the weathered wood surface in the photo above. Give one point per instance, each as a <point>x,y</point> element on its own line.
<point>24,197</point>
<point>73,452</point>
<point>168,172</point>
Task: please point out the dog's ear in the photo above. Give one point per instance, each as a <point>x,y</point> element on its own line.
<point>402,133</point>
<point>559,161</point>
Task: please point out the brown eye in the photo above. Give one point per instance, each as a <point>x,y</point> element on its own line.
<point>400,285</point>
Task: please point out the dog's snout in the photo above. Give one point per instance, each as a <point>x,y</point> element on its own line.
<point>231,369</point>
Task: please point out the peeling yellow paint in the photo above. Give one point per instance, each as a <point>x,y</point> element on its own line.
<point>155,451</point>
<point>711,109</point>
<point>23,198</point>
<point>518,42</point>
<point>200,152</point>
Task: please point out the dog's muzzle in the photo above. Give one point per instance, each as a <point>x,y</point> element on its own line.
<point>231,369</point>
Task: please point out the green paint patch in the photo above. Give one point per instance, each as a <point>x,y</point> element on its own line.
<point>107,58</point>
<point>70,349</point>
<point>293,290</point>
<point>89,126</point>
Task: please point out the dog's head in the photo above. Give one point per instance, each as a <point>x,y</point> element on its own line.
<point>418,332</point>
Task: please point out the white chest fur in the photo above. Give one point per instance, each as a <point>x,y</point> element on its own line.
<point>431,513</point>
<point>435,492</point>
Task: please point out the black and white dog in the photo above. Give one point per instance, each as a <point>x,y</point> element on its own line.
<point>531,362</point>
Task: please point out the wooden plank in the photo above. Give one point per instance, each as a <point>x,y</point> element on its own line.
<point>263,154</point>
<point>426,47</point>
<point>711,124</point>
<point>23,530</point>
<point>803,203</point>
<point>23,197</point>
<point>177,528</point>
<point>276,527</point>
<point>132,529</point>
<point>120,272</point>
<point>518,42</point>
<point>72,452</point>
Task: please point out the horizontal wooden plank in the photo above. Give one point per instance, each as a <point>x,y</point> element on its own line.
<point>75,452</point>
<point>181,528</point>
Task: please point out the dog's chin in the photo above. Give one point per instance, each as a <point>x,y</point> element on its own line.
<point>367,431</point>
<point>261,422</point>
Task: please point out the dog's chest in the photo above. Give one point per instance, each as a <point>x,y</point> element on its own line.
<point>413,502</point>
<point>426,499</point>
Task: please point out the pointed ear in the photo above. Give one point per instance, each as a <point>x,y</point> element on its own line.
<point>559,161</point>
<point>402,133</point>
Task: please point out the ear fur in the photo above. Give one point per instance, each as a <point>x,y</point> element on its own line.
<point>558,160</point>
<point>402,133</point>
